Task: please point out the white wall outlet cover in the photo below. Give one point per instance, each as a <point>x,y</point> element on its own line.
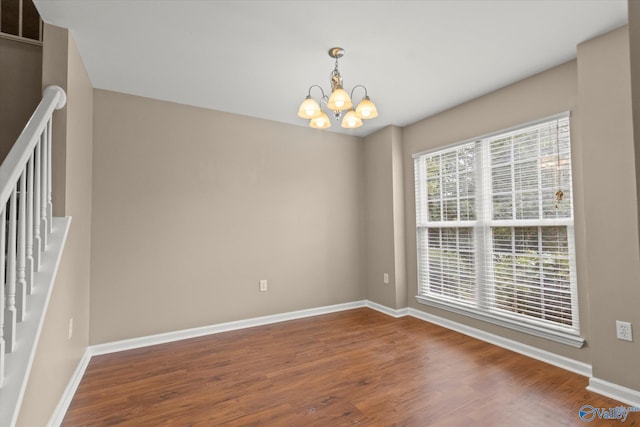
<point>623,331</point>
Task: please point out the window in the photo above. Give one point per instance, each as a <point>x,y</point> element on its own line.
<point>494,225</point>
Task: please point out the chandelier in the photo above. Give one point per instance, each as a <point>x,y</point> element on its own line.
<point>337,103</point>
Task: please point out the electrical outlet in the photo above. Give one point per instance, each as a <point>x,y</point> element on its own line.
<point>263,286</point>
<point>70,328</point>
<point>623,331</point>
<point>385,278</point>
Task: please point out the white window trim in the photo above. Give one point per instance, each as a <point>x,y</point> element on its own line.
<point>551,332</point>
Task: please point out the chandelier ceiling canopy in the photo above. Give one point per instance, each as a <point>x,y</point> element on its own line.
<point>338,102</point>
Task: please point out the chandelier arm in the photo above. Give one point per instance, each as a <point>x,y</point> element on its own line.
<point>363,87</point>
<point>321,90</point>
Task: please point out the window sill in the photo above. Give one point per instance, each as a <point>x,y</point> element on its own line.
<point>557,336</point>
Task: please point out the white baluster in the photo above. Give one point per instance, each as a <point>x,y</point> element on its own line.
<point>21,256</point>
<point>10,310</point>
<point>37,241</point>
<point>44,235</point>
<point>49,186</point>
<point>3,224</point>
<point>30,261</point>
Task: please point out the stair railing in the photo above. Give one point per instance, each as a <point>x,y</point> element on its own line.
<point>25,224</point>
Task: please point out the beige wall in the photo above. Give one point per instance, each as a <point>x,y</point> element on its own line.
<point>192,207</point>
<point>20,88</point>
<point>57,357</point>
<point>399,237</point>
<point>384,218</point>
<point>547,93</point>
<point>610,204</point>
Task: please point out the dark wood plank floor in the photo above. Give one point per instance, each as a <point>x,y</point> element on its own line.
<point>353,367</point>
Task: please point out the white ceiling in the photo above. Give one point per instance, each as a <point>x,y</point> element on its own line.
<point>258,58</point>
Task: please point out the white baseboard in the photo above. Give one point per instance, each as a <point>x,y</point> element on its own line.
<point>386,310</point>
<point>67,396</point>
<point>566,363</point>
<point>572,365</point>
<point>623,394</point>
<point>221,327</point>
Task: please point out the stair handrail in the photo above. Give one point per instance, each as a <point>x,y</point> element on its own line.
<point>53,98</point>
<point>31,247</point>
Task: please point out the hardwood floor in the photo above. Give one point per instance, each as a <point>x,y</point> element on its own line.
<point>353,367</point>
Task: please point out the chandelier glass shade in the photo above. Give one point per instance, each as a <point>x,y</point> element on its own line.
<point>366,109</point>
<point>309,109</point>
<point>351,120</point>
<point>320,122</point>
<point>338,102</point>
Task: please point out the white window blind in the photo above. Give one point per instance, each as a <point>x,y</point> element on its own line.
<point>494,223</point>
